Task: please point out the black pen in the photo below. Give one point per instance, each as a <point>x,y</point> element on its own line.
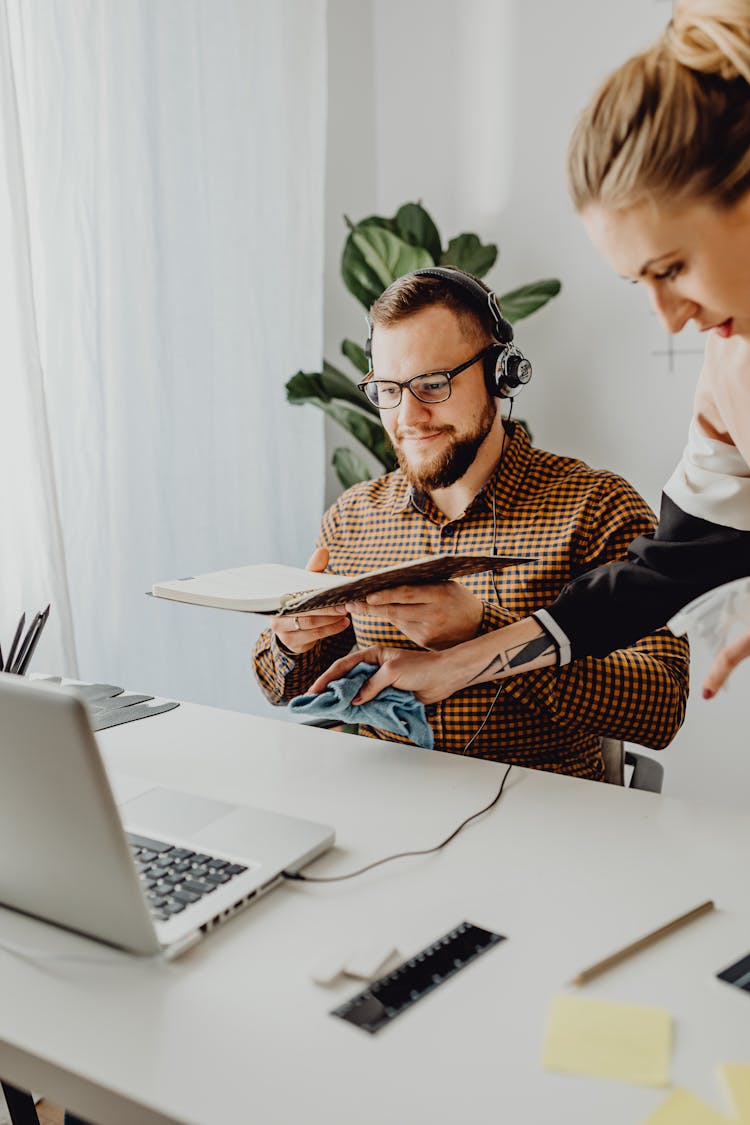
<point>34,642</point>
<point>11,654</point>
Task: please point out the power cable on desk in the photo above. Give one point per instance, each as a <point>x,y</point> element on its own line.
<point>400,855</point>
<point>296,875</point>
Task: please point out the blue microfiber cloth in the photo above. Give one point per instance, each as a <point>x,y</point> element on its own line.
<point>393,709</point>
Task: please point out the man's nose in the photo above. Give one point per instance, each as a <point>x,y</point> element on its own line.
<point>410,409</point>
<point>673,310</point>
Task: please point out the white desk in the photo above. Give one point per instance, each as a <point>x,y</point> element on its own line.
<point>568,870</point>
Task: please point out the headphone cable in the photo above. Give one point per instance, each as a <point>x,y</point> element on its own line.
<point>299,877</point>
<point>296,875</point>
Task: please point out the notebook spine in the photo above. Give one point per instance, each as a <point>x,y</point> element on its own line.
<point>292,601</point>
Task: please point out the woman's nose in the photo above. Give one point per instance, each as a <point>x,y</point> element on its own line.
<point>673,309</point>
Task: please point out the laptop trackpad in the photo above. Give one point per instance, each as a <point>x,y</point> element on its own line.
<point>167,812</point>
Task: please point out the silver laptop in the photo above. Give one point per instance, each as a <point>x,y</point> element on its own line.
<point>153,876</point>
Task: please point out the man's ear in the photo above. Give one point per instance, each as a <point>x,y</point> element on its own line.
<point>490,366</point>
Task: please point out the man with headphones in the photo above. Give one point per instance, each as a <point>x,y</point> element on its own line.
<point>442,360</point>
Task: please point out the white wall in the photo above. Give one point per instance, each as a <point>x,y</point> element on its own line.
<point>350,177</point>
<point>469,107</point>
<point>161,234</point>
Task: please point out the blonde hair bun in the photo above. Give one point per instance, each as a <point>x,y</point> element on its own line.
<point>712,37</point>
<point>673,123</point>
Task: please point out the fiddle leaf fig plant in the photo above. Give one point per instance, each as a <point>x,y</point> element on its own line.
<point>377,251</point>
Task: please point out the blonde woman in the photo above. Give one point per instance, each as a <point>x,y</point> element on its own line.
<point>659,171</point>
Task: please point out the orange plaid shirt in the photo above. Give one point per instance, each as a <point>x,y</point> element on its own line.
<point>569,518</point>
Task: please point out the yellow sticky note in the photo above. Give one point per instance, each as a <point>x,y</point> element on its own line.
<point>683,1108</point>
<point>735,1078</point>
<point>629,1042</point>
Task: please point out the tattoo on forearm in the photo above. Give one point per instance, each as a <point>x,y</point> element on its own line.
<point>524,654</point>
<point>517,655</point>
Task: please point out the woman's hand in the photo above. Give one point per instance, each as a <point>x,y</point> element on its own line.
<point>725,663</point>
<point>431,676</point>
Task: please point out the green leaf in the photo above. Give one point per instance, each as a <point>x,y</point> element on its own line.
<point>387,254</point>
<point>350,469</point>
<point>376,220</point>
<point>416,227</point>
<point>340,386</point>
<point>304,388</point>
<point>522,302</point>
<point>374,257</point>
<point>356,356</point>
<point>359,279</point>
<point>308,386</point>
<point>326,386</point>
<point>362,282</point>
<point>468,253</point>
<point>366,430</point>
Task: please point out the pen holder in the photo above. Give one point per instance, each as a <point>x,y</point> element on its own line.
<point>23,644</point>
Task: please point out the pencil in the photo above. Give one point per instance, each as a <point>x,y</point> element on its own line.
<point>24,646</point>
<point>41,622</point>
<point>16,639</point>
<point>642,943</point>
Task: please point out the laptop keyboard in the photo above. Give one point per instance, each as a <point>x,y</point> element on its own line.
<point>174,878</point>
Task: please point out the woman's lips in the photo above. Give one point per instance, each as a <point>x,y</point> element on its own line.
<point>723,329</point>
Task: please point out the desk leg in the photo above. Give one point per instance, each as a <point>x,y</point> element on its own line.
<point>20,1105</point>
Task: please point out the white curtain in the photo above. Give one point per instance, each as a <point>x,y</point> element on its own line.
<point>32,554</point>
<point>165,261</point>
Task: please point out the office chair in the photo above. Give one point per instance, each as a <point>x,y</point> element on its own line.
<point>21,1107</point>
<point>647,774</point>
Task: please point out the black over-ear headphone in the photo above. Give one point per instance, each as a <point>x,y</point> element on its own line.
<point>506,368</point>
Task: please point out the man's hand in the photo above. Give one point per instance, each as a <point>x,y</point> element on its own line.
<point>433,617</point>
<point>299,634</point>
<point>429,675</point>
<point>725,663</point>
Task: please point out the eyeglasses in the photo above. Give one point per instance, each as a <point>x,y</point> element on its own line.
<point>435,386</point>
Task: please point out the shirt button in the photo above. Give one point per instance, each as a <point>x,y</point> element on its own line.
<point>449,530</point>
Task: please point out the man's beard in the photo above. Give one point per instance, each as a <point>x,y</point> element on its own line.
<point>445,468</point>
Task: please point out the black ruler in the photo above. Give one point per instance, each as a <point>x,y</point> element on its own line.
<point>391,995</point>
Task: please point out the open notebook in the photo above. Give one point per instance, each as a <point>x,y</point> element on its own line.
<point>272,588</point>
